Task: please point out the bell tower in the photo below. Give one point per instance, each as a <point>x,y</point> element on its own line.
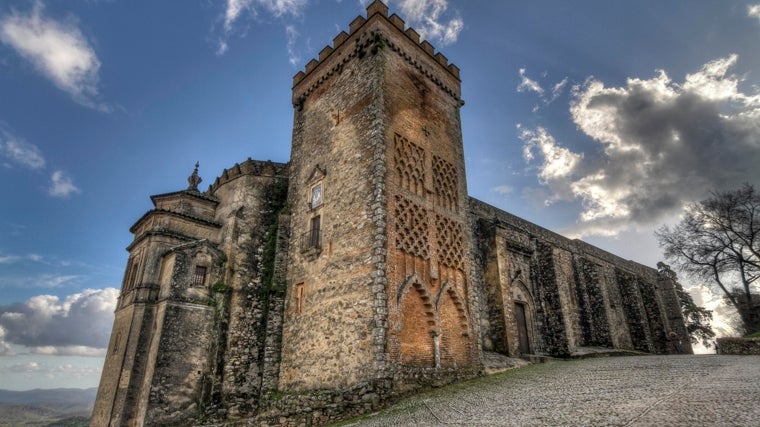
<point>377,279</point>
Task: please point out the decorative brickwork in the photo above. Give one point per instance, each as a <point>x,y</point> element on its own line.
<point>446,184</point>
<point>450,239</point>
<point>411,228</point>
<point>410,165</point>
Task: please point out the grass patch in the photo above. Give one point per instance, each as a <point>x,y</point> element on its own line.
<point>755,335</point>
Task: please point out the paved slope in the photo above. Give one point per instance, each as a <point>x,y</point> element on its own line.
<point>703,390</point>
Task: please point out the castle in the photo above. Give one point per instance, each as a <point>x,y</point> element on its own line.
<point>360,271</point>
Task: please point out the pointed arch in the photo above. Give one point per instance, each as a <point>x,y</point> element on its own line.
<point>448,288</point>
<point>523,310</point>
<point>521,292</point>
<point>418,322</point>
<point>453,326</point>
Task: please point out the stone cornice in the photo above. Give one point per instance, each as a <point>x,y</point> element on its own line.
<point>203,197</point>
<point>192,218</point>
<point>152,233</point>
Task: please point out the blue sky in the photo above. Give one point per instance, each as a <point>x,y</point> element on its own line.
<point>596,119</point>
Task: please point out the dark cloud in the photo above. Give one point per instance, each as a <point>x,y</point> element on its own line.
<point>662,144</point>
<point>80,324</point>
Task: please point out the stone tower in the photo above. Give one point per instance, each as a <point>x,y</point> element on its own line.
<point>196,269</point>
<point>378,286</point>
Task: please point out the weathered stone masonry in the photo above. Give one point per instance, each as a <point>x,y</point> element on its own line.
<point>581,295</point>
<point>360,271</point>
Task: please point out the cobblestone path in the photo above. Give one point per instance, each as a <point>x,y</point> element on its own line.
<point>706,390</point>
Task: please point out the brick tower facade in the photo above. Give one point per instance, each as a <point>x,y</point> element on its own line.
<point>379,283</point>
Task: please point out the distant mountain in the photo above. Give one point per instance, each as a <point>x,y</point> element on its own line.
<point>47,407</point>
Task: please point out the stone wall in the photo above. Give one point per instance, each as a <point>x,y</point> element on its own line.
<point>739,346</point>
<point>330,333</point>
<point>174,383</point>
<point>591,304</point>
<point>549,309</point>
<point>331,405</point>
<point>576,295</point>
<point>250,290</point>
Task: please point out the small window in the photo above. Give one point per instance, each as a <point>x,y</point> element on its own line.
<point>200,276</point>
<point>131,275</point>
<point>314,235</point>
<point>316,196</point>
<point>299,298</point>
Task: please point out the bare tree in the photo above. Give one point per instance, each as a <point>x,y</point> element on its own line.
<point>718,240</point>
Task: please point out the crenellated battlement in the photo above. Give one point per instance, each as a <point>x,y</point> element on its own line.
<point>249,167</point>
<point>305,82</point>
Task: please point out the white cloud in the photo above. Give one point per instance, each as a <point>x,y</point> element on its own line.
<point>24,367</point>
<point>294,56</point>
<point>41,369</point>
<point>662,144</point>
<point>29,156</point>
<point>528,85</point>
<point>58,50</point>
<point>78,325</point>
<point>236,9</point>
<point>5,348</point>
<point>11,259</point>
<point>558,163</point>
<point>62,185</point>
<point>714,83</point>
<point>503,189</point>
<point>557,89</point>
<point>20,152</point>
<point>427,18</point>
<point>69,350</point>
<point>222,47</point>
<point>753,11</point>
<point>44,280</point>
<point>283,7</point>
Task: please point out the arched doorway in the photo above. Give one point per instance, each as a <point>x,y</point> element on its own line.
<point>522,312</point>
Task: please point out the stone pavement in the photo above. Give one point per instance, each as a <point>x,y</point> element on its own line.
<point>706,390</point>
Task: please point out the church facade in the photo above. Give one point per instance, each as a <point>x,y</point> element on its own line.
<point>359,271</point>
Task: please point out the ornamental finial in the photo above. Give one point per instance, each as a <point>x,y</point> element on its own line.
<point>194,179</point>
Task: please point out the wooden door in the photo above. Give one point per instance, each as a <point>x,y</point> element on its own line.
<point>522,328</point>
